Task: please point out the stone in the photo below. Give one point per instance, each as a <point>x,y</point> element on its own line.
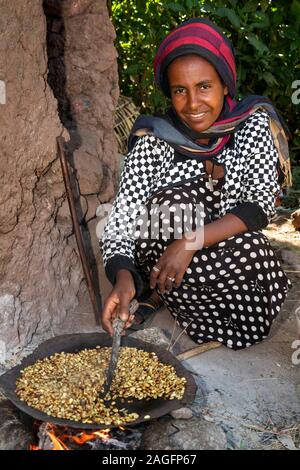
<point>295,216</point>
<point>290,257</point>
<point>92,205</point>
<point>14,434</point>
<point>10,310</point>
<point>88,168</point>
<point>93,241</point>
<point>108,187</point>
<point>64,219</point>
<point>182,413</point>
<point>92,140</point>
<point>192,434</point>
<point>64,215</point>
<point>152,335</point>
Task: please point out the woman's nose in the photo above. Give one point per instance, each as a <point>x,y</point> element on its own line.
<point>193,101</point>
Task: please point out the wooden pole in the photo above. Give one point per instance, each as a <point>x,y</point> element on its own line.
<point>77,230</point>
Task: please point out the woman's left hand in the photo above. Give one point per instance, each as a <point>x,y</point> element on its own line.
<point>171,266</point>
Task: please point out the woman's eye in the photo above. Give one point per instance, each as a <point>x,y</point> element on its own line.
<point>205,86</point>
<point>179,91</point>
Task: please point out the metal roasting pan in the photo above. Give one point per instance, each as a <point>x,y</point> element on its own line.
<point>75,343</point>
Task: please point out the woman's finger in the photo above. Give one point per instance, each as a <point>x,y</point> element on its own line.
<point>129,322</point>
<point>165,281</point>
<point>169,283</point>
<point>161,282</point>
<point>178,280</point>
<point>154,275</point>
<point>123,311</point>
<point>108,314</point>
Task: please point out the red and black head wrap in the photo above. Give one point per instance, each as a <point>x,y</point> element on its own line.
<point>197,36</point>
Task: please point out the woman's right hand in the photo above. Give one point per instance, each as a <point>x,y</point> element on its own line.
<point>117,303</point>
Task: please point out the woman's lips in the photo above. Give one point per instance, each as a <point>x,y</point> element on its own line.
<point>196,116</point>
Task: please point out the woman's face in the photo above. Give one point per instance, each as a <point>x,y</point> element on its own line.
<point>197,92</point>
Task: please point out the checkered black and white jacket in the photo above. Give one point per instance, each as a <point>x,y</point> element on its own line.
<point>249,190</point>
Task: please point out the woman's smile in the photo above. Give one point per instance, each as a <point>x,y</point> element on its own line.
<point>196,116</point>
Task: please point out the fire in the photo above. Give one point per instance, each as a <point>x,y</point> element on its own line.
<point>33,447</point>
<point>83,437</point>
<point>59,437</point>
<point>57,443</point>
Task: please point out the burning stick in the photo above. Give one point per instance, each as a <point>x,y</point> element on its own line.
<point>53,437</point>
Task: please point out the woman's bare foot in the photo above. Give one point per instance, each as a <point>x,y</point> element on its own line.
<point>148,306</point>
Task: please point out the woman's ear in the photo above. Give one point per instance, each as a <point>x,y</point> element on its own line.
<point>226,90</point>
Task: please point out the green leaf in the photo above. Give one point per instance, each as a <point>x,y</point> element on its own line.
<point>295,12</point>
<point>264,5</point>
<point>269,78</point>
<point>259,45</point>
<point>207,9</point>
<point>230,15</point>
<point>295,44</point>
<point>189,3</point>
<point>257,26</point>
<point>241,74</point>
<point>250,6</point>
<point>234,19</point>
<point>290,34</point>
<point>261,20</point>
<point>133,69</point>
<point>174,7</point>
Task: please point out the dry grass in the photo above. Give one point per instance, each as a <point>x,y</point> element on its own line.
<point>281,232</point>
<point>273,438</point>
<point>270,436</point>
<point>126,114</point>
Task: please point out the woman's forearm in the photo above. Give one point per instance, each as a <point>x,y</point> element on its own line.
<point>215,232</point>
<point>222,229</point>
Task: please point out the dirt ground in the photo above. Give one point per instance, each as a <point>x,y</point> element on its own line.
<point>282,233</point>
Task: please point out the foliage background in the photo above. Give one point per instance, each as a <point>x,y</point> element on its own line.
<point>266,36</point>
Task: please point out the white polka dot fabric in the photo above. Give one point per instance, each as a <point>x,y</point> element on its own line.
<point>232,291</point>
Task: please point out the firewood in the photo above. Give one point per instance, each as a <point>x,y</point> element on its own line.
<point>198,350</point>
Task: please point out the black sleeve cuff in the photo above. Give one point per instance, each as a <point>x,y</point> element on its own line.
<point>118,262</point>
<point>251,214</point>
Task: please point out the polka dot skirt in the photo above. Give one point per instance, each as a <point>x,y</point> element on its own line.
<point>232,291</point>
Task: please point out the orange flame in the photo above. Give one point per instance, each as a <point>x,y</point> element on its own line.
<point>33,447</point>
<point>59,441</point>
<point>83,437</point>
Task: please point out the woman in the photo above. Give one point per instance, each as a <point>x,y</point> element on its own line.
<point>197,187</point>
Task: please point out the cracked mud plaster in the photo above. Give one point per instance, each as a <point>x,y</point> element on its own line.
<point>40,270</point>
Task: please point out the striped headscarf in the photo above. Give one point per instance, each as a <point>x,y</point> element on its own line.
<point>202,37</point>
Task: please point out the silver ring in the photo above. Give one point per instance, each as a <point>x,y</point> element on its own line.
<point>172,279</point>
<point>155,269</point>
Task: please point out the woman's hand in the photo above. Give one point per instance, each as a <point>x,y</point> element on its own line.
<point>117,303</point>
<point>171,266</point>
